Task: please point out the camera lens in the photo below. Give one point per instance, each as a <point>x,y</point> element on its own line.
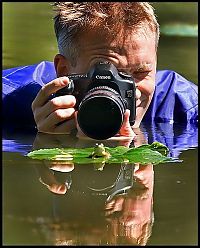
<point>101,112</point>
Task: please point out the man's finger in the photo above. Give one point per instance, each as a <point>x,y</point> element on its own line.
<point>48,89</point>
<point>49,125</point>
<point>61,102</point>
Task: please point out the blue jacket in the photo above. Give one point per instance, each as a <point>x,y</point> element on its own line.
<point>175,100</point>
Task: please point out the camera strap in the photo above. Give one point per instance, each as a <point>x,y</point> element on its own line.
<point>123,182</point>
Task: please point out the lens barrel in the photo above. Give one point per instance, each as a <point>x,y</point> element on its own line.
<point>100,114</point>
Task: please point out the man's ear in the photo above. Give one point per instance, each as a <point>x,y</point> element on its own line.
<point>62,65</point>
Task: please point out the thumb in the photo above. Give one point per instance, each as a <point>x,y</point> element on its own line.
<point>126,129</point>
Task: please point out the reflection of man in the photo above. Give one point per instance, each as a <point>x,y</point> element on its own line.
<point>125,34</point>
<point>131,216</point>
<point>47,168</point>
<point>129,213</point>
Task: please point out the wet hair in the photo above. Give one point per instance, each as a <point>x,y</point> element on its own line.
<point>74,18</point>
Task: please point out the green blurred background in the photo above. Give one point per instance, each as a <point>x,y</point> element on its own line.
<point>28,35</point>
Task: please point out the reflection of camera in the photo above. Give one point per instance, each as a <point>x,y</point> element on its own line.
<point>115,179</point>
<point>103,95</point>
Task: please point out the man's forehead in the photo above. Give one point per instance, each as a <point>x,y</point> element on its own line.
<point>136,59</point>
<point>115,42</point>
<point>127,53</point>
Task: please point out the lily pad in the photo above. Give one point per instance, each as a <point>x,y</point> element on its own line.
<point>154,153</point>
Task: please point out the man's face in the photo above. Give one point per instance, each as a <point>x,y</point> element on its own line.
<point>135,55</point>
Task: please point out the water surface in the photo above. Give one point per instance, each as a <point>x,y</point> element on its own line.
<point>161,198</point>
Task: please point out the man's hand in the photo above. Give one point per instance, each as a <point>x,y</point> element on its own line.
<point>57,116</point>
<point>126,129</point>
<point>48,178</point>
<point>49,113</point>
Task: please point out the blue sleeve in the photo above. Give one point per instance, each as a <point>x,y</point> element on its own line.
<point>175,99</point>
<point>172,116</point>
<point>20,87</point>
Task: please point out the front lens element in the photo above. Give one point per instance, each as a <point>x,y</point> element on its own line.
<point>100,114</point>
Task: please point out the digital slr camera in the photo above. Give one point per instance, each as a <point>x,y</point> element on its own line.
<point>103,94</point>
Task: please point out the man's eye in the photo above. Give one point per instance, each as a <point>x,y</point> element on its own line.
<point>140,74</point>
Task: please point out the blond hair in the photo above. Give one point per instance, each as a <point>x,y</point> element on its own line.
<point>72,18</point>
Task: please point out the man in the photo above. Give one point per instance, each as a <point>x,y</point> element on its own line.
<point>125,34</point>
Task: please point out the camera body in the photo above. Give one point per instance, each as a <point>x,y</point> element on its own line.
<point>103,95</point>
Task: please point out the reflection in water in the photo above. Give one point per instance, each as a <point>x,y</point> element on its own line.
<point>113,206</point>
<point>69,204</point>
<point>126,210</point>
<point>131,216</point>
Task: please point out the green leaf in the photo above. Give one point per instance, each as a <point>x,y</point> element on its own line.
<point>145,155</point>
<point>154,153</point>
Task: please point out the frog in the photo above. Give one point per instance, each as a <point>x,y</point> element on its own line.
<point>99,151</point>
<point>157,146</point>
